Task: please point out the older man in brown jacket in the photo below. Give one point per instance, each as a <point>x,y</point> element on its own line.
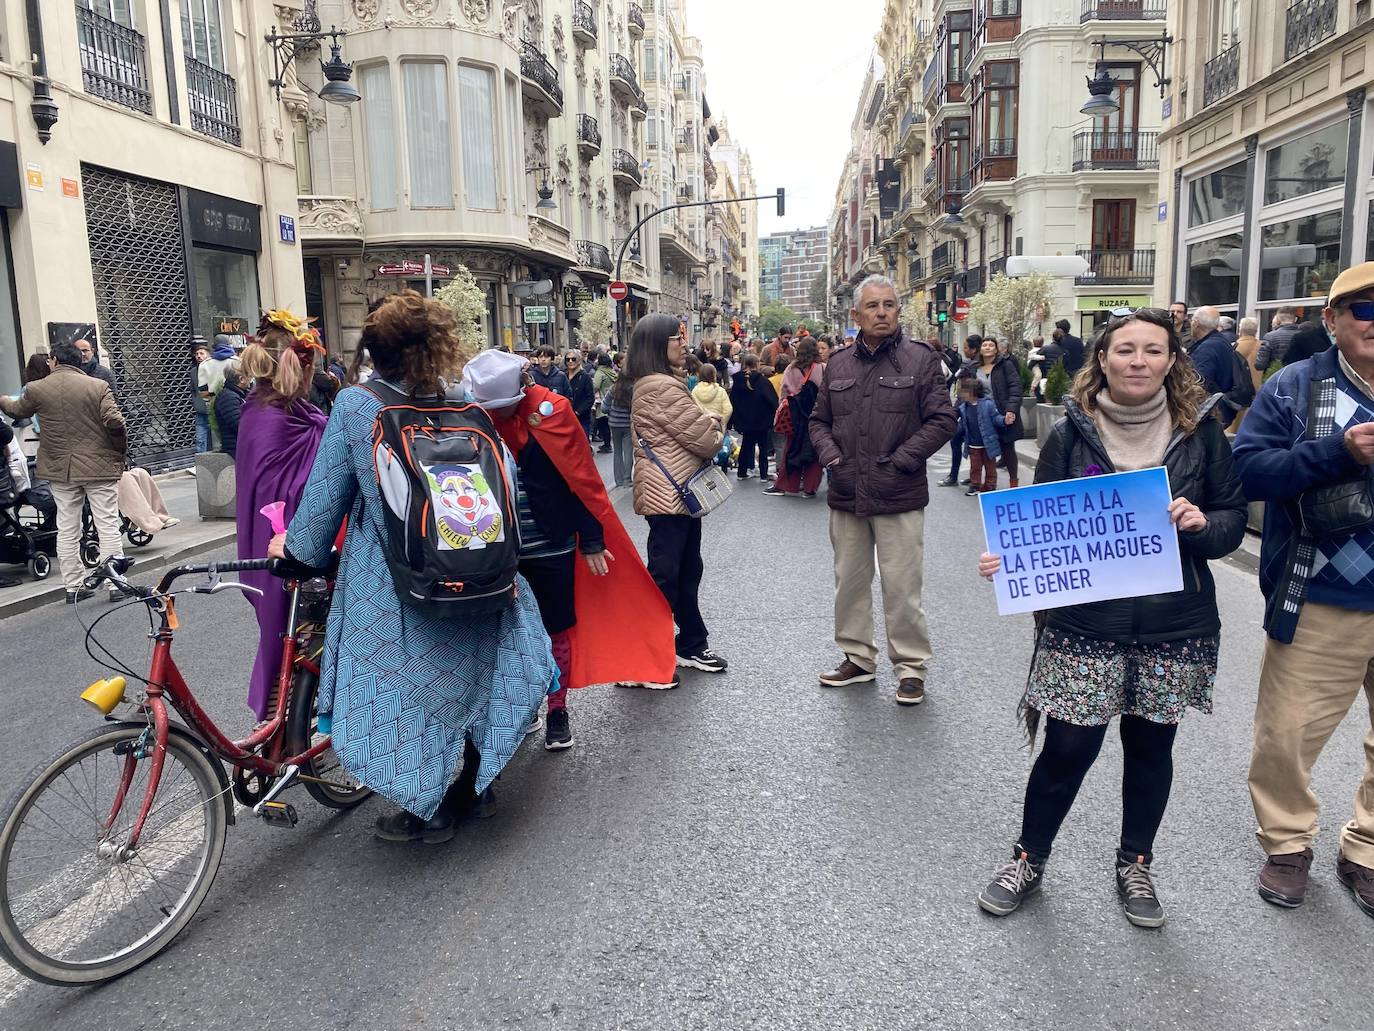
<point>883,411</point>
<point>80,454</point>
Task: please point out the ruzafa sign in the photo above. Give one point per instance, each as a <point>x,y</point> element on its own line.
<point>1089,539</point>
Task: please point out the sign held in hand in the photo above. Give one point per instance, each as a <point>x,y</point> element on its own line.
<point>1090,539</point>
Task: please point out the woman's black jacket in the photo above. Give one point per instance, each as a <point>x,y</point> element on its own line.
<point>1006,393</point>
<point>1201,470</point>
<point>754,402</point>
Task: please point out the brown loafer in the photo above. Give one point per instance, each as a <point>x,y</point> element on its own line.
<point>1283,878</point>
<point>911,691</point>
<point>847,673</point>
<point>1360,880</point>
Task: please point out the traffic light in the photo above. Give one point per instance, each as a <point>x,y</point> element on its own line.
<point>930,311</point>
<point>940,292</point>
<point>941,313</point>
<point>782,201</point>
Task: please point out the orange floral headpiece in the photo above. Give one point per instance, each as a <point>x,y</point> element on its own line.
<point>304,337</point>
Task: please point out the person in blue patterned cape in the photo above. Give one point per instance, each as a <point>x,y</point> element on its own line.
<point>411,696</point>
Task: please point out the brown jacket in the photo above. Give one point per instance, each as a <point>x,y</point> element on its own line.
<point>882,415</point>
<point>83,438</point>
<point>682,434</point>
<point>1248,347</point>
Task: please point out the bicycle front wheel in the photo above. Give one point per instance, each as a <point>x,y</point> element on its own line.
<point>77,904</point>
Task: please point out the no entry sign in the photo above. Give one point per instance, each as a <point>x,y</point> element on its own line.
<point>618,291</point>
<point>960,310</point>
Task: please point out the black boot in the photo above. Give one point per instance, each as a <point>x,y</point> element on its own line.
<point>406,827</point>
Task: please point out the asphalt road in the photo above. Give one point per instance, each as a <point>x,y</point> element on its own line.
<point>751,851</point>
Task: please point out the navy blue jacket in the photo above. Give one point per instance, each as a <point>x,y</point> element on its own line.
<point>1276,465</point>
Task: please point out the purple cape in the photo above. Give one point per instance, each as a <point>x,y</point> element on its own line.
<point>275,452</point>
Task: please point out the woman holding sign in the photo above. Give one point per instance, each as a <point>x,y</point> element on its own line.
<point>1136,404</point>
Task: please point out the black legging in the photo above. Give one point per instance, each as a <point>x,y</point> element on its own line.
<point>1069,752</point>
<point>754,442</point>
<point>1009,458</point>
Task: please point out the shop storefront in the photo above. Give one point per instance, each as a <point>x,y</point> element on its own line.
<point>1095,310</point>
<point>226,238</point>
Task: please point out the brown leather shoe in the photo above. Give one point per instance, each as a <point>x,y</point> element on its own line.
<point>1360,880</point>
<point>1283,879</point>
<point>911,691</point>
<point>846,673</point>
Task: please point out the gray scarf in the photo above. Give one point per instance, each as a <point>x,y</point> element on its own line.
<point>1135,436</point>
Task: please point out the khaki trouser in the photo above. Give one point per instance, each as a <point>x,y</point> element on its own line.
<point>104,498</point>
<point>898,541</point>
<point>1305,690</point>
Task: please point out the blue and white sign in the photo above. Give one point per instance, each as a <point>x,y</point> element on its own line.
<point>286,227</point>
<point>1089,539</point>
<point>1164,211</point>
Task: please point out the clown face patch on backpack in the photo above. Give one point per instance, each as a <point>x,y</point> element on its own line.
<point>466,512</point>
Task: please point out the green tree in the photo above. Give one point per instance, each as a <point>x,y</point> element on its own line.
<point>594,324</point>
<point>914,322</point>
<point>468,302</point>
<point>817,293</point>
<point>1013,309</point>
<point>1056,384</point>
<point>773,316</point>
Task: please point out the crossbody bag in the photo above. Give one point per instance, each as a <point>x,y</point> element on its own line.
<point>703,492</point>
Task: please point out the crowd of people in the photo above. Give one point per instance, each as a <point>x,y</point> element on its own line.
<point>1152,388</point>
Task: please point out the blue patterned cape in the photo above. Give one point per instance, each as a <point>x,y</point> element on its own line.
<point>404,688</point>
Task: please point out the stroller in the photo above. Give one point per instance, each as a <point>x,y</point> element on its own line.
<point>90,539</point>
<point>28,528</point>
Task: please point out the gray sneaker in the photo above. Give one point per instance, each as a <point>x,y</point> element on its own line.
<point>1012,884</point>
<point>1136,890</point>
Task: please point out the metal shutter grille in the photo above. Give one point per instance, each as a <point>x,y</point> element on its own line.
<point>142,299</point>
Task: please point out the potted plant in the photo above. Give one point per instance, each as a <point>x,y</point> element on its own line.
<point>1056,386</point>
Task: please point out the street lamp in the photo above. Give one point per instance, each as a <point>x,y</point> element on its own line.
<point>337,72</point>
<point>1102,86</point>
<point>545,191</point>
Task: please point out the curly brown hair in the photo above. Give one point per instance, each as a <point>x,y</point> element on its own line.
<point>1182,386</point>
<point>412,340</point>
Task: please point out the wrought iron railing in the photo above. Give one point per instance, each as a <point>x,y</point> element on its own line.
<point>1221,75</point>
<point>624,163</point>
<point>114,61</point>
<point>1115,149</point>
<point>686,140</point>
<point>942,258</point>
<point>588,131</point>
<point>538,69</point>
<point>1118,268</point>
<point>912,118</point>
<point>957,186</point>
<point>1123,10</point>
<point>973,282</point>
<point>214,102</point>
<point>594,255</point>
<point>1308,23</point>
<point>997,267</point>
<point>584,19</point>
<point>634,17</point>
<point>906,201</point>
<point>621,68</point>
<point>915,271</point>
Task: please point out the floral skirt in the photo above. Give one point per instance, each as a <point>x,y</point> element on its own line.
<point>1086,682</point>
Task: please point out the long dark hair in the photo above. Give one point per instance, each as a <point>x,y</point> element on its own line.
<point>649,347</point>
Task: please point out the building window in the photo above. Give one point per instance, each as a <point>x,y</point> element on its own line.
<point>1300,257</point>
<point>201,35</point>
<point>120,11</point>
<point>1217,195</point>
<point>477,98</point>
<point>226,284</point>
<point>1214,271</point>
<point>300,136</point>
<point>960,31</point>
<point>1308,164</point>
<point>428,151</point>
<point>994,108</point>
<point>374,83</point>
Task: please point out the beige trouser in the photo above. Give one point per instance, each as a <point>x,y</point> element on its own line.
<point>898,541</point>
<point>104,498</point>
<point>1305,690</point>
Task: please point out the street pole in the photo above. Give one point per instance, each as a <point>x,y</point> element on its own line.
<point>429,276</point>
<point>780,197</point>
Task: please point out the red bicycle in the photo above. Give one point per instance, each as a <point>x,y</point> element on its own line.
<point>110,849</point>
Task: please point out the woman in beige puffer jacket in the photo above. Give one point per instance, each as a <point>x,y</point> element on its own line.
<point>683,437</point>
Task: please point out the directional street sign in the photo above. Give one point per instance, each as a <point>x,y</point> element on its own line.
<point>536,314</point>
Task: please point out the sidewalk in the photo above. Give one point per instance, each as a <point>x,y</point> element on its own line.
<point>192,536</point>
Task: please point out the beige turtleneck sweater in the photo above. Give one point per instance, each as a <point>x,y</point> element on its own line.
<point>1135,436</point>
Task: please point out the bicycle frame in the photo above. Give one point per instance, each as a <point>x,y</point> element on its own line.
<point>166,683</point>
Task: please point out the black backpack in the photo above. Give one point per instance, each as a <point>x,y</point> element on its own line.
<point>1242,392</point>
<point>452,533</point>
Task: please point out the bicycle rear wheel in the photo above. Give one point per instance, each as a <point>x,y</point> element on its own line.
<point>336,788</point>
<point>77,906</point>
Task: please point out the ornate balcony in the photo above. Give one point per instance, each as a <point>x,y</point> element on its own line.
<point>624,82</point>
<point>588,136</point>
<point>911,135</point>
<point>1099,149</point>
<point>1123,10</point>
<point>539,81</point>
<point>625,170</point>
<point>114,61</point>
<point>1308,22</point>
<point>942,259</point>
<point>1118,268</point>
<point>214,102</point>
<point>997,267</point>
<point>634,20</point>
<point>591,254</point>
<point>687,140</point>
<point>915,271</point>
<point>1221,75</point>
<point>971,282</point>
<point>584,26</point>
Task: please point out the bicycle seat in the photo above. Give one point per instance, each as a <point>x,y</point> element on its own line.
<point>290,569</point>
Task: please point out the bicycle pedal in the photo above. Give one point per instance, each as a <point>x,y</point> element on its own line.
<point>280,814</point>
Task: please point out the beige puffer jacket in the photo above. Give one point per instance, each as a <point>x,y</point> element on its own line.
<point>682,434</point>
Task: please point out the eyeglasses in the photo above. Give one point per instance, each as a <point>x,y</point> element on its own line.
<point>1362,310</point>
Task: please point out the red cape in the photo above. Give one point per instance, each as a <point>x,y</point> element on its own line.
<point>624,630</point>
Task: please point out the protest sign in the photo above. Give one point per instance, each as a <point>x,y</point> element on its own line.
<point>1089,539</point>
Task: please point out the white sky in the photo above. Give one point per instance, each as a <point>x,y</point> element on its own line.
<point>787,74</point>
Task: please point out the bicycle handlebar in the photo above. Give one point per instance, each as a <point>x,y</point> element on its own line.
<point>113,569</point>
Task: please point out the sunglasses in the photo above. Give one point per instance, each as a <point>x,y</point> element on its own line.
<point>1362,310</point>
<point>1155,313</point>
<point>570,361</point>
